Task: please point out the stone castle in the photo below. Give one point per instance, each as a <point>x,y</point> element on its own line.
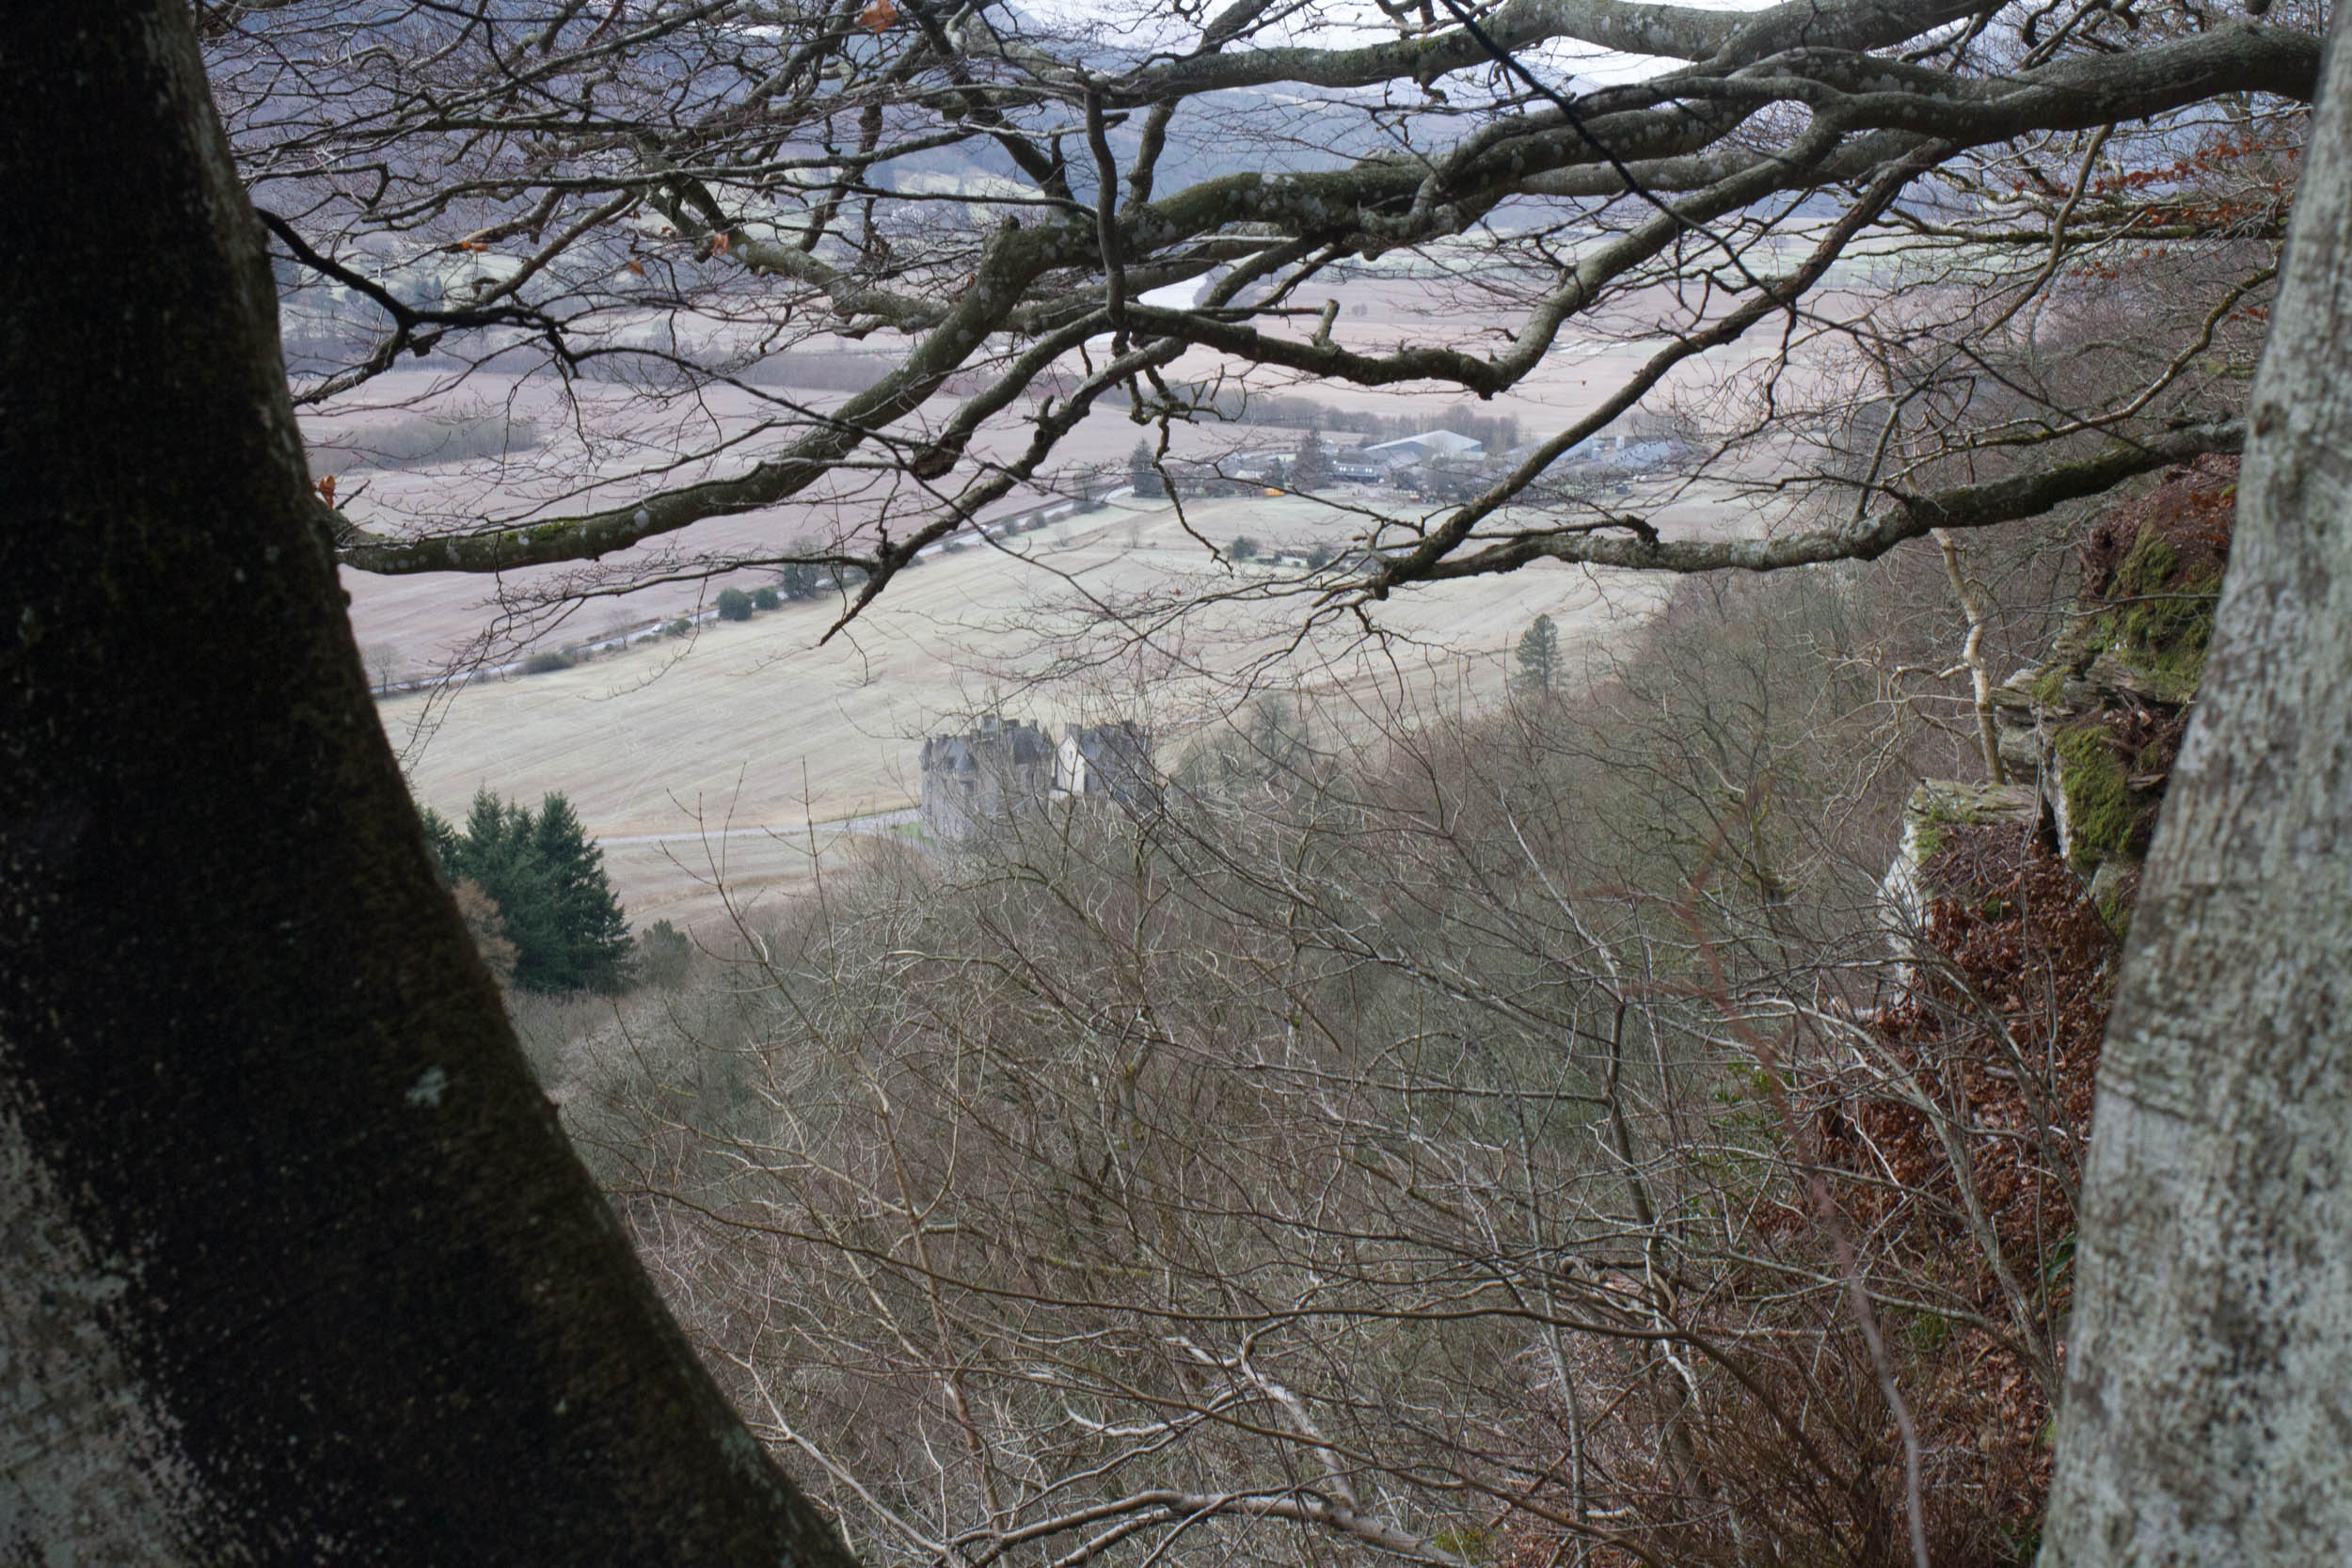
<point>1002,768</point>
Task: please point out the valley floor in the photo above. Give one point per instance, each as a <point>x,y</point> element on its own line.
<point>746,752</point>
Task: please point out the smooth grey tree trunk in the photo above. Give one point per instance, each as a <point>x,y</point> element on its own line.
<point>295,1265</point>
<point>2208,1411</point>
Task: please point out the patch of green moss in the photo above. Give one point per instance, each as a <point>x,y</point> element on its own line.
<point>2166,638</point>
<point>2047,685</point>
<point>1930,834</point>
<point>2101,808</point>
<point>2164,624</point>
<point>2147,569</point>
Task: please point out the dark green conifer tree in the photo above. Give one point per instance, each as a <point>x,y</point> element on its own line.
<point>549,882</point>
<point>591,934</point>
<point>443,834</point>
<point>1538,656</point>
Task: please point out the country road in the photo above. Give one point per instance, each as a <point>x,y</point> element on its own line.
<point>799,833</point>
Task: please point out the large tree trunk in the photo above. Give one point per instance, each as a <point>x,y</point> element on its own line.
<point>295,1262</point>
<point>2208,1414</point>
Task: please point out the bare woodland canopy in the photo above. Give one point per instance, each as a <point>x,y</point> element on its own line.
<point>1979,258</point>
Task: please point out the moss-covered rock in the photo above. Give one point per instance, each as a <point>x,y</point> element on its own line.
<point>1936,808</point>
<point>2099,806</point>
<point>2090,733</point>
<point>2151,577</point>
<point>2166,636</point>
<point>2148,565</point>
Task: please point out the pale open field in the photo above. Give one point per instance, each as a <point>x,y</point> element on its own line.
<point>755,731</point>
<point>693,759</point>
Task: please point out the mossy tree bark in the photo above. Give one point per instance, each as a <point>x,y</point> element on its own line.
<point>2208,1414</point>
<point>295,1262</point>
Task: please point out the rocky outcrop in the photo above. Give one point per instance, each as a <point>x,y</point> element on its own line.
<point>1936,808</point>
<point>2087,738</point>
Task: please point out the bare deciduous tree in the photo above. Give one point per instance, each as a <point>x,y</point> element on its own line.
<point>1369,1153</point>
<point>1965,261</point>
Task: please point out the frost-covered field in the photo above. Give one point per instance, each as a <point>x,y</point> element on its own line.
<point>754,726</point>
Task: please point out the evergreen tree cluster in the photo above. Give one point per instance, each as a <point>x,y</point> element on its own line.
<point>547,883</point>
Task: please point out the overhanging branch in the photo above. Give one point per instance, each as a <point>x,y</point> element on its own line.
<point>1965,506</point>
